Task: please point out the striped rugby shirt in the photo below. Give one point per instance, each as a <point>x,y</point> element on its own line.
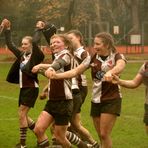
<point>61,89</point>
<point>24,79</point>
<point>81,54</point>
<point>102,90</point>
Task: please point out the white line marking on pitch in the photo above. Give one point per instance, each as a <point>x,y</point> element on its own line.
<point>9,98</point>
<point>9,119</point>
<point>132,117</point>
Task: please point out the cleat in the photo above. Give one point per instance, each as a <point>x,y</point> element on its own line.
<point>89,145</point>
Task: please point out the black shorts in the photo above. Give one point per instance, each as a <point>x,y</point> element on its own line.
<point>109,106</point>
<point>83,91</point>
<point>60,110</point>
<point>79,98</point>
<point>28,96</point>
<point>77,102</point>
<point>145,118</point>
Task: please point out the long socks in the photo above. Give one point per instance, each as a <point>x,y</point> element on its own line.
<point>44,144</point>
<point>23,135</point>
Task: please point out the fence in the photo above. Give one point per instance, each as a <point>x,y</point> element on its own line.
<point>133,43</point>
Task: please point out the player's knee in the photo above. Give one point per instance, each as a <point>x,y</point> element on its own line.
<point>76,126</point>
<point>22,116</point>
<point>103,135</point>
<point>38,130</point>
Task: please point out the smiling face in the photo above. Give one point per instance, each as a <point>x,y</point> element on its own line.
<point>101,48</point>
<point>27,44</point>
<point>57,44</point>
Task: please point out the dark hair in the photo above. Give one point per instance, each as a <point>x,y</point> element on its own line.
<point>66,41</point>
<point>77,33</point>
<point>107,39</point>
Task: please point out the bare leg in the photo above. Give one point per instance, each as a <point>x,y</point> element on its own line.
<point>60,134</point>
<point>82,131</point>
<point>23,111</point>
<point>104,126</point>
<point>43,122</point>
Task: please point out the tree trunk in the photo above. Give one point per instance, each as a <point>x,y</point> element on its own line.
<point>135,16</point>
<point>68,19</point>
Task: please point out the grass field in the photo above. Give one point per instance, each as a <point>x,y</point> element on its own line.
<point>128,132</point>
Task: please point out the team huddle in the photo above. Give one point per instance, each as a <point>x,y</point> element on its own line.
<point>62,111</point>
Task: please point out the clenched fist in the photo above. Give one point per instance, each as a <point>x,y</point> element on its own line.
<point>6,24</point>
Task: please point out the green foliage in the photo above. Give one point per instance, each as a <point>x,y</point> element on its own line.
<point>90,17</point>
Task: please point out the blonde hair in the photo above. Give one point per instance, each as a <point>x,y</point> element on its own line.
<point>66,41</point>
<point>29,38</point>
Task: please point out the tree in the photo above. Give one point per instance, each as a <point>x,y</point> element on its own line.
<point>133,5</point>
<point>84,15</point>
